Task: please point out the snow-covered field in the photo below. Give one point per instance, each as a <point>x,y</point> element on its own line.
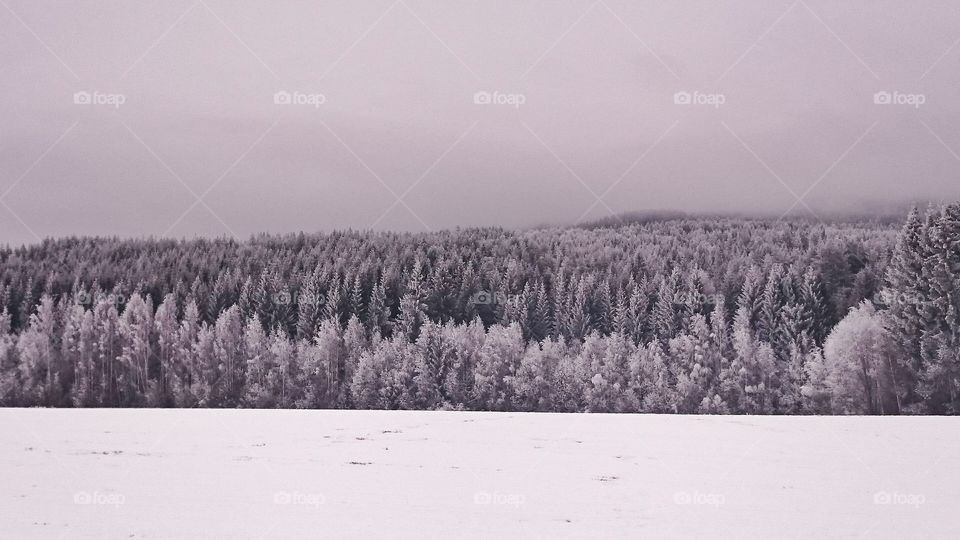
<point>340,474</point>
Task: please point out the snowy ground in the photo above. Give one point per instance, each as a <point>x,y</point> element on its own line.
<point>338,474</point>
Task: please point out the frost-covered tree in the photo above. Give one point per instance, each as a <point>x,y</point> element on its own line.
<point>260,365</point>
<point>499,359</point>
<point>859,358</point>
<point>534,385</point>
<point>136,349</point>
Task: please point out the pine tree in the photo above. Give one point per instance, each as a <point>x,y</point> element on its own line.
<point>37,350</point>
<point>665,317</point>
<point>228,357</point>
<point>561,316</point>
<point>218,298</point>
<point>466,341</point>
<point>720,334</point>
<point>9,379</point>
<point>623,323</point>
<point>903,296</point>
<point>813,310</point>
<point>323,366</point>
<point>354,343</point>
<point>367,379</point>
<point>434,359</point>
<point>940,371</point>
<point>539,322</point>
<point>378,313</point>
<point>286,381</point>
<point>534,384</point>
<point>355,298</point>
<point>653,382</point>
<point>694,297</point>
<point>331,307</point>
<point>499,359</point>
<point>609,389</point>
<point>136,335</point>
<point>579,317</point>
<point>751,294</point>
<point>75,361</point>
<point>106,322</point>
<point>258,392</point>
<point>816,393</point>
<point>771,302</point>
<point>185,371</point>
<point>603,305</point>
<point>643,329</point>
<point>245,300</point>
<point>27,305</point>
<point>165,322</point>
<point>308,308</point>
<point>204,388</point>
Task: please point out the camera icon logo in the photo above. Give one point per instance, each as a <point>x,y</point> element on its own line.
<point>481,298</point>
<point>84,298</point>
<point>282,98</point>
<point>682,98</point>
<point>882,98</point>
<point>81,98</point>
<point>482,98</point>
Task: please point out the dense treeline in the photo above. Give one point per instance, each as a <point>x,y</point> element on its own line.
<point>672,315</point>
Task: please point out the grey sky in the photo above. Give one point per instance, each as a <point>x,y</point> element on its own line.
<point>597,81</point>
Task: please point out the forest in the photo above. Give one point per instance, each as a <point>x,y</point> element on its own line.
<point>676,314</point>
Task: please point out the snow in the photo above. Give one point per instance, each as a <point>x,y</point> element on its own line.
<point>341,474</point>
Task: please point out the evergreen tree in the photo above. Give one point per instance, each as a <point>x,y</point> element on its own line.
<point>434,358</point>
<point>940,342</point>
<point>665,318</point>
<point>308,309</point>
<point>185,371</point>
<point>499,359</point>
<point>534,384</point>
<point>323,363</point>
<point>378,313</point>
<point>286,381</point>
<point>165,323</point>
<point>354,343</point>
<point>136,337</point>
<point>229,360</point>
<point>36,348</point>
<point>258,392</point>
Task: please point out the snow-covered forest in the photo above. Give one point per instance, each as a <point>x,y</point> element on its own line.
<point>686,315</point>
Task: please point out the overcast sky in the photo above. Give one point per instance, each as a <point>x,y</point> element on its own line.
<point>787,118</point>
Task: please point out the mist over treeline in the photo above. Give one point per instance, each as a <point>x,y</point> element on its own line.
<point>668,314</point>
